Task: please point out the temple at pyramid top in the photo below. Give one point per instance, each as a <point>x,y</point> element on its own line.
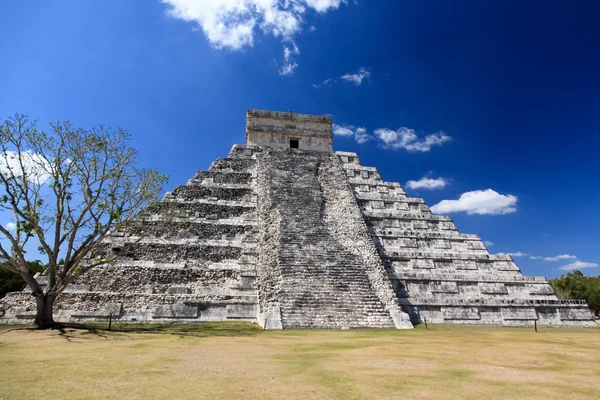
<point>287,130</point>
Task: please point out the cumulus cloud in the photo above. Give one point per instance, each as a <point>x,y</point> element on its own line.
<point>517,254</point>
<point>289,60</point>
<point>406,138</point>
<point>326,82</point>
<point>488,243</point>
<point>357,78</point>
<point>11,226</point>
<point>343,130</point>
<point>233,24</point>
<point>427,183</point>
<point>481,202</point>
<point>35,167</point>
<point>358,133</point>
<point>324,5</point>
<point>361,136</point>
<point>561,257</point>
<point>578,265</point>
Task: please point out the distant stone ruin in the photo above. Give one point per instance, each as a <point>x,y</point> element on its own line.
<point>290,234</point>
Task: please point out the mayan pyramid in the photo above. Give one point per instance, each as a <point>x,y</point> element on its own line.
<point>288,233</point>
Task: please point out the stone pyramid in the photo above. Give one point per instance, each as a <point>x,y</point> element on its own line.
<point>290,234</point>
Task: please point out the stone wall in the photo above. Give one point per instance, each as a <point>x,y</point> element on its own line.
<point>275,129</point>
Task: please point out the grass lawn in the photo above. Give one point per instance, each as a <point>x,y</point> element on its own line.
<point>239,361</point>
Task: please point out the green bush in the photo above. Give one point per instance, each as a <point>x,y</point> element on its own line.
<point>575,285</point>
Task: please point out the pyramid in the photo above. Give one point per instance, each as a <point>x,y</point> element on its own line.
<point>289,234</point>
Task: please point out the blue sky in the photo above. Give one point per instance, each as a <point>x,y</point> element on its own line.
<point>485,95</point>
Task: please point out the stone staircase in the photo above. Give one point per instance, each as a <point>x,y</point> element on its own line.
<point>323,285</point>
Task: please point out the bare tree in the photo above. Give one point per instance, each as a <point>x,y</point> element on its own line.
<point>66,190</point>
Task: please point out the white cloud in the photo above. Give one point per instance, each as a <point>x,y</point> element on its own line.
<point>289,61</point>
<point>35,167</point>
<point>326,82</point>
<point>324,5</point>
<point>406,138</point>
<point>361,136</point>
<point>358,77</point>
<point>578,265</point>
<point>517,254</point>
<point>561,257</point>
<point>427,183</point>
<point>488,243</point>
<point>11,226</point>
<point>358,133</point>
<point>343,130</point>
<point>536,257</point>
<point>233,24</point>
<point>482,202</point>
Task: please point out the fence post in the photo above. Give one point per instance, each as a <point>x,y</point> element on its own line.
<point>535,324</point>
<point>425,320</point>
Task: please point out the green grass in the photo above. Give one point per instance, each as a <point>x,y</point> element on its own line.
<point>239,360</point>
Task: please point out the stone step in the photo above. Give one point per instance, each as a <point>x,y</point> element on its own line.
<point>233,164</point>
<point>243,151</point>
<point>195,209</point>
<point>217,192</point>
<point>422,234</point>
<point>186,229</point>
<point>169,253</point>
<point>221,177</point>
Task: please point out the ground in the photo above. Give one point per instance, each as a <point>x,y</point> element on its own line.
<point>239,361</point>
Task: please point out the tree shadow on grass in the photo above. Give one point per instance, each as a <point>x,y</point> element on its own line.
<point>70,331</point>
<point>206,329</point>
<point>67,331</point>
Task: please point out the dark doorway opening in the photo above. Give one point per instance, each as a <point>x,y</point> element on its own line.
<point>294,143</point>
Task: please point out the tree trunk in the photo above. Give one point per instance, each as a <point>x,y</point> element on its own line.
<point>45,306</point>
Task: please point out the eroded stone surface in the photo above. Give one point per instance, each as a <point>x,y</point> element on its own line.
<point>295,238</point>
<point>443,276</point>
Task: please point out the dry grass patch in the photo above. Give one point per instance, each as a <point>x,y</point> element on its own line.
<point>238,361</point>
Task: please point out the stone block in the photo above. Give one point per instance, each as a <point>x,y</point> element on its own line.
<point>519,313</point>
<point>422,264</point>
<point>444,287</point>
<point>241,311</point>
<point>541,289</point>
<point>75,288</point>
<point>505,266</point>
<point>493,288</point>
<point>574,314</point>
<point>110,309</point>
<point>179,290</point>
<point>460,313</point>
<point>176,311</point>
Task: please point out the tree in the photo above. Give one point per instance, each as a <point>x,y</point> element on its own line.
<point>575,285</point>
<point>66,190</point>
<point>11,282</point>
